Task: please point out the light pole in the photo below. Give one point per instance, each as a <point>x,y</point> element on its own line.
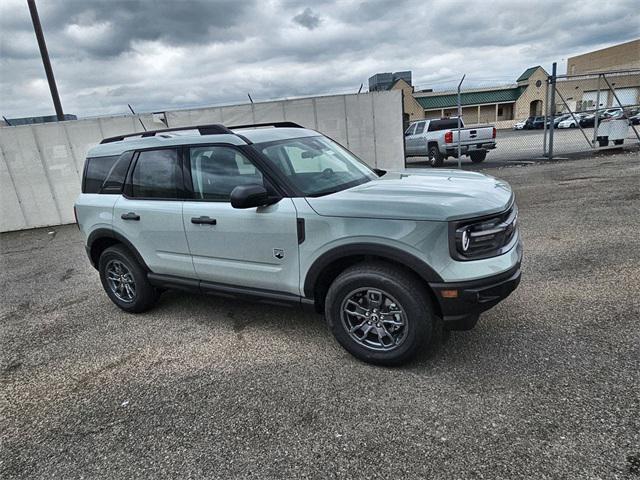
<point>45,59</point>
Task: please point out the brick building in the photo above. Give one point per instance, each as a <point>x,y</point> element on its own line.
<point>505,105</point>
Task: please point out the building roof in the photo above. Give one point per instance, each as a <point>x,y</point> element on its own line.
<point>471,98</point>
<point>527,73</point>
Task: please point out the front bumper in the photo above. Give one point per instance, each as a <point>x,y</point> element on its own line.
<point>474,297</point>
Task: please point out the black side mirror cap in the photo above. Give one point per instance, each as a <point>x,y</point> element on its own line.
<point>251,195</point>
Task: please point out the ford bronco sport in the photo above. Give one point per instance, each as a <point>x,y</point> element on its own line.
<point>282,214</point>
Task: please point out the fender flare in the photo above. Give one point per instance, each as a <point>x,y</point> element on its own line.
<point>393,254</point>
<point>109,233</point>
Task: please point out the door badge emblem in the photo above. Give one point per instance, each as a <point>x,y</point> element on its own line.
<point>278,253</point>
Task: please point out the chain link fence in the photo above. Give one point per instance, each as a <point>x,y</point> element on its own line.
<point>541,116</point>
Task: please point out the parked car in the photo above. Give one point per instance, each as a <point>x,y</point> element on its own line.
<point>438,140</point>
<point>534,123</point>
<point>634,119</point>
<point>557,120</point>
<point>613,113</point>
<point>570,121</point>
<point>520,125</point>
<point>282,214</point>
<point>588,120</point>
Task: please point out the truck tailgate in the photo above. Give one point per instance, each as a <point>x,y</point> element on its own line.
<point>473,135</point>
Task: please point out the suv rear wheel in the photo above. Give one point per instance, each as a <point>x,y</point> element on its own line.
<point>379,313</point>
<point>125,281</point>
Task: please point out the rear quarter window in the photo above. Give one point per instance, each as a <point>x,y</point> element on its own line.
<point>437,125</point>
<point>95,172</point>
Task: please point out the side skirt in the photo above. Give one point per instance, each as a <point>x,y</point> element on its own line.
<point>230,291</point>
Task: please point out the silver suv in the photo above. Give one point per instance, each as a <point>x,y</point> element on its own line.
<point>282,214</point>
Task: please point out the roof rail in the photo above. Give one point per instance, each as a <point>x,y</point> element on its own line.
<point>268,124</point>
<point>213,129</point>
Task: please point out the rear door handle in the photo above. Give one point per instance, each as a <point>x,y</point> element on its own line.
<point>130,216</point>
<point>203,220</point>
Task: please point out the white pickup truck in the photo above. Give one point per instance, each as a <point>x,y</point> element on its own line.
<point>438,140</point>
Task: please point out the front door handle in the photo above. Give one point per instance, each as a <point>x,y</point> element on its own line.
<point>203,220</point>
<point>130,216</point>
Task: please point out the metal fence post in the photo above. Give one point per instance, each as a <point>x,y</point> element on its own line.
<point>552,106</point>
<point>595,117</point>
<point>459,122</point>
<point>546,117</point>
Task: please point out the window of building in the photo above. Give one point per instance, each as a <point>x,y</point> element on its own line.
<point>216,171</point>
<point>500,111</point>
<point>156,174</point>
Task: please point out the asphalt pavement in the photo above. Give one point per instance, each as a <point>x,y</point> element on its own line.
<point>547,386</point>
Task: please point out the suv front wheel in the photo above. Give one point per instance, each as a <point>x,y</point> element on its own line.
<point>125,281</point>
<point>379,313</point>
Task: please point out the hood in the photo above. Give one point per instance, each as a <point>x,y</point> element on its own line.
<point>440,195</point>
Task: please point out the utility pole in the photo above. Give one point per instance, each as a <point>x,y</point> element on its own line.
<point>45,59</point>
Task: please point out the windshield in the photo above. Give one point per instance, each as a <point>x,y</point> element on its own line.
<point>316,165</point>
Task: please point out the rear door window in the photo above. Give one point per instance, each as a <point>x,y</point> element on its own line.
<point>96,171</point>
<point>157,174</point>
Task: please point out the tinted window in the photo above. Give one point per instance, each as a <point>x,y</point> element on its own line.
<point>117,174</point>
<point>216,171</point>
<point>156,174</point>
<point>410,130</point>
<point>96,171</point>
<point>437,125</point>
<point>420,128</point>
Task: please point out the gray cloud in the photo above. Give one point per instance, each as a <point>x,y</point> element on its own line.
<point>168,54</point>
<point>307,19</point>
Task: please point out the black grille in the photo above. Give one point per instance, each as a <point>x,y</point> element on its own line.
<point>484,237</point>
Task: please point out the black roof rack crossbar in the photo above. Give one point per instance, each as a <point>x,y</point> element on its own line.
<point>213,129</point>
<point>268,124</point>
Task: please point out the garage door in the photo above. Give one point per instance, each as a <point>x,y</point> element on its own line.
<point>589,99</point>
<point>627,96</point>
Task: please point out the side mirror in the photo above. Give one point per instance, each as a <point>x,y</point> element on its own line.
<point>251,195</point>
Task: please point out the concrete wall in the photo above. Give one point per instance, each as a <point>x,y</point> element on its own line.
<point>41,165</point>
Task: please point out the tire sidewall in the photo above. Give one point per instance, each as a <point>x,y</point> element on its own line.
<point>435,160</point>
<point>418,313</point>
<point>139,276</point>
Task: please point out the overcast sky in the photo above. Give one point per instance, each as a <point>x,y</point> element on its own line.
<point>169,54</point>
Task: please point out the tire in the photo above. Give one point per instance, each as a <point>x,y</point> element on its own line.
<point>618,142</point>
<point>435,158</point>
<point>359,289</point>
<point>118,262</point>
<point>603,142</point>
<point>478,157</point>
